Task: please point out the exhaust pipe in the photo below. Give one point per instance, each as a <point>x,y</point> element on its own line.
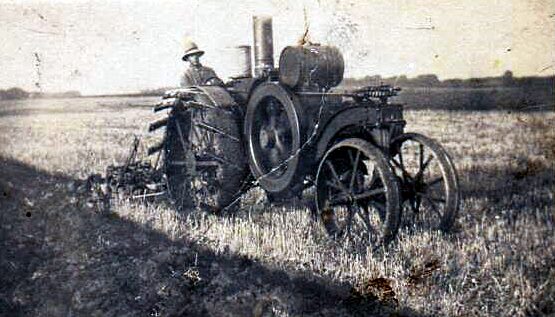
<point>263,45</point>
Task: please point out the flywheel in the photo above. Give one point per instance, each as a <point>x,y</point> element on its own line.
<point>275,132</point>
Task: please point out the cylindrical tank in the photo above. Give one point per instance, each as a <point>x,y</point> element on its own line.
<point>311,67</point>
<point>239,61</point>
<point>263,45</point>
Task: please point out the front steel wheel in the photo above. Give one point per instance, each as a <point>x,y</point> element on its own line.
<point>357,195</point>
<point>428,179</point>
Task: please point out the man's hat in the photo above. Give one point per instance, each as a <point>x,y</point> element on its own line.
<point>190,48</point>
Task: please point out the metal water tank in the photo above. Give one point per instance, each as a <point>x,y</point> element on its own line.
<point>311,67</point>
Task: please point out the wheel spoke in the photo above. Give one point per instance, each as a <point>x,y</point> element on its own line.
<point>334,173</point>
<point>337,200</point>
<point>370,193</point>
<point>351,158</point>
<point>344,174</point>
<point>334,185</point>
<point>401,167</point>
<point>354,173</point>
<point>431,198</point>
<point>181,138</point>
<point>434,207</point>
<point>434,181</point>
<point>424,165</point>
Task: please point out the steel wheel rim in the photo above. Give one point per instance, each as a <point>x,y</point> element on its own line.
<point>428,181</point>
<point>354,212</point>
<point>177,186</point>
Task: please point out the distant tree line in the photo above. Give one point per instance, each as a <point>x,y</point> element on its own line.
<point>427,80</point>
<point>431,80</point>
<point>18,93</point>
<point>65,94</point>
<point>13,93</point>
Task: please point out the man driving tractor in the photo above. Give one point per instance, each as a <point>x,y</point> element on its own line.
<point>197,74</point>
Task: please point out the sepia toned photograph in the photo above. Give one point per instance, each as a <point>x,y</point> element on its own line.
<point>277,158</point>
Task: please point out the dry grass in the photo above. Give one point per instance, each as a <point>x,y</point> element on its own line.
<point>499,262</point>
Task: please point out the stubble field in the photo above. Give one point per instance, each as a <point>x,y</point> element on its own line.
<point>60,257</point>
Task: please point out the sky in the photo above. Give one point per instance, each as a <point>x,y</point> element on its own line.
<point>100,47</point>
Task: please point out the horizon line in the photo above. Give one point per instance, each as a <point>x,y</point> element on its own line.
<point>143,90</point>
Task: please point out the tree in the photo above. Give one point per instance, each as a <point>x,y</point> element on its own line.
<point>508,79</point>
<point>428,80</point>
<point>14,93</point>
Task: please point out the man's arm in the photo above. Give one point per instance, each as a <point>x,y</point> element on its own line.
<point>186,80</point>
<point>210,77</point>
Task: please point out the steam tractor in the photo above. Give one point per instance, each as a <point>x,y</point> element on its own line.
<point>287,130</point>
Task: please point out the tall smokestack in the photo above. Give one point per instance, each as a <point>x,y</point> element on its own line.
<point>263,45</point>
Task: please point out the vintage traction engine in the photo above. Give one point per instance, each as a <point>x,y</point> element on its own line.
<point>287,131</point>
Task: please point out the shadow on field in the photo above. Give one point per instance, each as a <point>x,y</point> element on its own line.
<point>63,259</point>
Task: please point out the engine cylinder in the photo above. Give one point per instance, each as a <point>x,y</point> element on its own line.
<point>311,67</point>
<point>263,45</point>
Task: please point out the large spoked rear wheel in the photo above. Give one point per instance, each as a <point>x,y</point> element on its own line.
<point>204,161</point>
<point>429,185</point>
<point>357,195</point>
